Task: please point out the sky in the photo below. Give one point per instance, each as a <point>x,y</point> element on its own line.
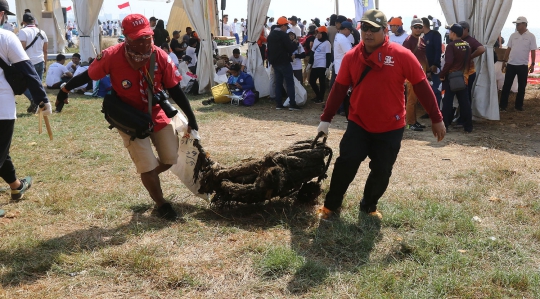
<point>308,9</point>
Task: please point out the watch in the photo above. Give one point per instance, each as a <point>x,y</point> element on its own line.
<point>63,87</point>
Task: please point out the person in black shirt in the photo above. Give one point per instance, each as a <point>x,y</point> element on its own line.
<point>178,47</point>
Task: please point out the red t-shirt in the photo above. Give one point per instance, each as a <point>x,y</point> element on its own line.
<point>127,81</point>
<point>378,103</point>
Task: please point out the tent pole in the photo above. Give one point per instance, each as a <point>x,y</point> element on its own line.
<point>376,4</point>
<point>221,22</point>
<point>337,7</point>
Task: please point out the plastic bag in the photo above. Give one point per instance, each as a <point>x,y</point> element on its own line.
<point>188,154</point>
<point>300,94</point>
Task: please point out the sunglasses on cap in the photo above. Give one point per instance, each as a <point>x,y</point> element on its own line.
<point>418,27</point>
<point>367,27</point>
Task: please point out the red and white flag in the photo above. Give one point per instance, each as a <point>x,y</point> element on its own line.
<point>123,5</point>
<point>68,8</point>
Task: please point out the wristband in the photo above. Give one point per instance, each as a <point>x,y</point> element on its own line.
<point>63,87</point>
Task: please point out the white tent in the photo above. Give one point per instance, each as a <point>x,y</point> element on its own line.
<point>86,13</point>
<point>486,18</point>
<point>197,12</point>
<point>256,14</point>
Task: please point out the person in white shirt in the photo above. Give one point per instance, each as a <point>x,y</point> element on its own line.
<point>74,63</point>
<point>435,22</point>
<point>342,44</point>
<point>398,35</point>
<point>237,29</point>
<point>8,26</point>
<point>57,73</point>
<point>190,51</point>
<point>221,69</point>
<point>83,67</point>
<point>165,47</point>
<point>521,43</point>
<point>297,56</point>
<point>322,57</point>
<point>236,57</point>
<point>35,43</point>
<point>270,22</point>
<point>224,27</point>
<point>12,53</point>
<point>294,26</point>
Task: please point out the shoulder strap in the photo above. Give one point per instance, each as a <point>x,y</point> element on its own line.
<point>150,84</point>
<point>3,64</point>
<point>364,73</point>
<point>35,39</point>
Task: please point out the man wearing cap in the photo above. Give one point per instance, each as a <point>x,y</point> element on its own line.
<point>456,59</point>
<point>435,22</point>
<point>12,53</point>
<point>342,45</point>
<point>340,19</point>
<point>294,26</point>
<point>280,49</point>
<point>433,42</point>
<point>415,43</point>
<point>516,62</point>
<point>35,43</point>
<point>128,65</point>
<point>178,47</point>
<point>317,22</point>
<point>477,49</point>
<point>376,114</point>
<point>398,35</point>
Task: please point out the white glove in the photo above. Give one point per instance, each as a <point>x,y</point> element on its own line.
<point>46,109</point>
<point>327,72</point>
<point>323,127</point>
<point>308,67</point>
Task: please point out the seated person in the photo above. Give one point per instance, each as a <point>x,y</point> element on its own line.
<point>238,59</point>
<point>191,52</point>
<point>58,73</point>
<point>165,47</point>
<point>239,81</point>
<point>189,62</point>
<point>221,68</point>
<point>83,66</point>
<point>74,63</point>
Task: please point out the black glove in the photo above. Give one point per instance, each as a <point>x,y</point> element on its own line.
<point>61,97</point>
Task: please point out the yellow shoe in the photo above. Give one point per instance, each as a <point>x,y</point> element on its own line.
<point>325,214</point>
<point>375,214</point>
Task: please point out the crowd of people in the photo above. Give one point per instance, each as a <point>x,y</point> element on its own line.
<point>375,70</point>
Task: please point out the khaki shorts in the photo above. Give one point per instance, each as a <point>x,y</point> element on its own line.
<point>166,143</point>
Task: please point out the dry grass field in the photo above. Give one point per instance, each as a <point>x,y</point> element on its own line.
<point>461,217</point>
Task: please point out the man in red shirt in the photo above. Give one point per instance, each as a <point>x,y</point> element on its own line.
<point>127,64</point>
<point>376,113</point>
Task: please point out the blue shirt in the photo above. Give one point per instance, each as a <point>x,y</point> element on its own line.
<point>433,41</point>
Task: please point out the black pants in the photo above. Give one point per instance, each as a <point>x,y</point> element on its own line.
<point>356,145</point>
<point>7,169</point>
<point>522,72</point>
<point>464,106</point>
<point>318,73</point>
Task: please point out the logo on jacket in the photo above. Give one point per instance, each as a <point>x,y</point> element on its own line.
<point>389,60</point>
<point>126,84</point>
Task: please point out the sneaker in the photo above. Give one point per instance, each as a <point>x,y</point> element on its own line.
<point>280,107</point>
<point>32,108</point>
<point>458,126</point>
<point>294,108</point>
<point>419,125</point>
<point>18,194</point>
<point>166,212</point>
<point>325,214</point>
<point>414,128</point>
<point>318,101</point>
<point>208,102</point>
<point>375,215</point>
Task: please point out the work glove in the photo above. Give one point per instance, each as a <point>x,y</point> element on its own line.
<point>45,108</point>
<point>323,127</point>
<point>308,67</point>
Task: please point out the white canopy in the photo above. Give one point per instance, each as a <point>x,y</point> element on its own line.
<point>197,12</point>
<point>256,15</point>
<point>86,13</point>
<point>361,6</point>
<point>486,18</point>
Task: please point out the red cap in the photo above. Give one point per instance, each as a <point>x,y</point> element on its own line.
<point>282,21</point>
<point>135,26</point>
<point>322,29</point>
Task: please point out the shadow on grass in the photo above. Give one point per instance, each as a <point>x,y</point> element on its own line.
<point>325,247</point>
<point>27,264</point>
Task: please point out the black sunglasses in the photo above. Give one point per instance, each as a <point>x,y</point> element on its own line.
<point>418,27</point>
<point>366,27</point>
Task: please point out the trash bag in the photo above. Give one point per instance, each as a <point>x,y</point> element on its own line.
<point>300,94</point>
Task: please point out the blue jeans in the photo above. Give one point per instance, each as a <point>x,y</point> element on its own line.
<point>284,72</point>
<point>244,40</point>
<point>39,70</point>
<point>237,38</point>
